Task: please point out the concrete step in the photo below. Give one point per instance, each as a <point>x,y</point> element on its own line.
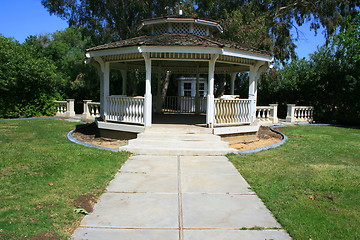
<point>182,129</point>
<point>175,143</point>
<point>179,136</point>
<point>181,151</point>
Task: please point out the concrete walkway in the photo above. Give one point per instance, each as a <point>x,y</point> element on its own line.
<point>179,197</point>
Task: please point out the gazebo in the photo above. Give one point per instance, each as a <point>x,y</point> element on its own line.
<point>182,45</point>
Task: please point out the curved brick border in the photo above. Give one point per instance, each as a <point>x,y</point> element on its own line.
<point>267,147</point>
<point>71,138</point>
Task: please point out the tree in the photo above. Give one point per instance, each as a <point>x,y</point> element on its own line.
<point>110,20</point>
<point>66,50</point>
<point>329,80</point>
<point>28,83</point>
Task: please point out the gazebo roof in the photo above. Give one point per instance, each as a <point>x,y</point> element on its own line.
<point>184,40</point>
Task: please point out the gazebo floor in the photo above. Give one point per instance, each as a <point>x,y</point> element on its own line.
<point>179,119</point>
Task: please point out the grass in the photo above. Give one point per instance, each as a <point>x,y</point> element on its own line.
<point>311,183</point>
<point>42,174</point>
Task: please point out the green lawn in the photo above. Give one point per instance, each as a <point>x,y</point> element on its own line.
<point>311,183</point>
<point>42,173</point>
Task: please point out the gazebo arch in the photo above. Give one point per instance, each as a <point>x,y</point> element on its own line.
<point>180,45</point>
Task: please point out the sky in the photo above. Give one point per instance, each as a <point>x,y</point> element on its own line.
<point>22,18</point>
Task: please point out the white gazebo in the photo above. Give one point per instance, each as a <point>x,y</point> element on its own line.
<point>182,45</point>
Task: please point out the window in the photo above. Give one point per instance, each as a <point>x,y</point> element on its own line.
<point>201,89</point>
<point>187,89</point>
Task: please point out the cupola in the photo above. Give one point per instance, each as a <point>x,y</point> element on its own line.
<point>180,25</point>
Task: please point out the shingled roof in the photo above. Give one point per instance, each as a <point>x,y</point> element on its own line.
<point>168,39</point>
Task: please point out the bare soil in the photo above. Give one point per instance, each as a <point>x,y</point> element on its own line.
<point>265,137</point>
<point>89,134</point>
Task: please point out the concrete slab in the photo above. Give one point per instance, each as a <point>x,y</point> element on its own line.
<point>151,166</point>
<point>152,157</point>
<point>204,158</point>
<point>134,210</point>
<point>235,234</point>
<point>124,234</point>
<point>225,211</point>
<point>214,183</point>
<point>209,167</point>
<point>140,182</point>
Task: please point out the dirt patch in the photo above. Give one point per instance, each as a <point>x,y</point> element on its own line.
<point>86,202</point>
<point>90,134</point>
<point>265,137</point>
<point>42,236</point>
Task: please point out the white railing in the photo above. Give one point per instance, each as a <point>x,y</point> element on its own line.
<point>179,104</point>
<point>299,113</point>
<point>125,109</point>
<point>232,112</point>
<point>267,114</point>
<point>64,108</point>
<point>91,110</point>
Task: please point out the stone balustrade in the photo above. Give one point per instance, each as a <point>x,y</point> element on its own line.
<point>91,110</point>
<point>65,108</point>
<point>232,112</point>
<point>125,109</point>
<point>299,113</point>
<point>267,114</point>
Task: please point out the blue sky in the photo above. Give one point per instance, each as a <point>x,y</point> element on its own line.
<point>22,18</point>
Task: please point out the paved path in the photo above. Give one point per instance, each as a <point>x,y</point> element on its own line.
<point>179,197</point>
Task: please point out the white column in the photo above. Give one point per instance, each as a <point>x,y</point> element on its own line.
<point>124,81</point>
<point>158,94</point>
<point>290,115</point>
<point>210,97</point>
<point>70,112</point>
<point>197,95</point>
<point>255,73</point>
<point>99,64</point>
<point>232,83</point>
<point>106,89</point>
<point>86,113</point>
<point>148,96</point>
<point>274,113</point>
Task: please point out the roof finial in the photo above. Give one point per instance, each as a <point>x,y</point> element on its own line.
<point>180,10</point>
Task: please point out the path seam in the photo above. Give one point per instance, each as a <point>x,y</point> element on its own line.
<point>180,200</point>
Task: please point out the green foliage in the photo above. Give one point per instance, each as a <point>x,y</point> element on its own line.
<point>66,49</point>
<point>28,82</point>
<point>311,183</point>
<point>329,80</point>
<point>42,174</point>
<point>106,21</point>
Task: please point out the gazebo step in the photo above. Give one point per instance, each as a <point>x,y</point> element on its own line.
<point>178,136</point>
<point>178,151</point>
<point>181,129</point>
<point>171,143</point>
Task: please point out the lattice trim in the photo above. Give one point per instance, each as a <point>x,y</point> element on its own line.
<point>200,30</point>
<point>180,28</point>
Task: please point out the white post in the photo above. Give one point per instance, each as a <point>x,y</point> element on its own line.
<point>148,96</point>
<point>255,73</point>
<point>101,71</point>
<point>86,113</point>
<point>124,81</point>
<point>106,88</point>
<point>210,97</point>
<point>158,95</point>
<point>70,112</point>
<point>274,114</point>
<point>290,115</point>
<point>197,95</point>
<point>232,83</point>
